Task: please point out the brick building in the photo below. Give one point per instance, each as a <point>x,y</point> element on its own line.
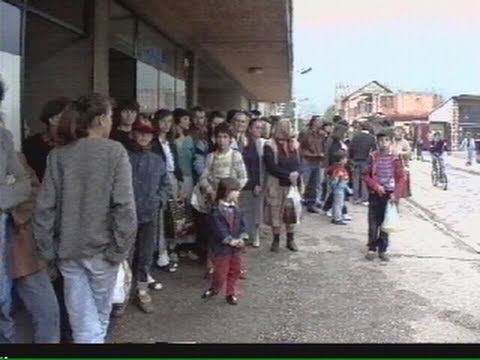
<point>397,106</point>
<point>165,53</point>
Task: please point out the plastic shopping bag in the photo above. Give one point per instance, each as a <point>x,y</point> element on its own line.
<point>293,206</point>
<point>391,222</point>
<point>123,284</point>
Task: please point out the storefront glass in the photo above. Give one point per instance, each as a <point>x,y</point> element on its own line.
<point>10,65</point>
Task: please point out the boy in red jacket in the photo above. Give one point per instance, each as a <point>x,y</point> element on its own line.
<point>385,179</point>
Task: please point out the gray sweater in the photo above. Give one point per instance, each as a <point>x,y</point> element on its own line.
<point>86,205</point>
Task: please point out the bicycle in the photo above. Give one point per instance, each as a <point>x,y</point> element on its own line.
<point>438,174</point>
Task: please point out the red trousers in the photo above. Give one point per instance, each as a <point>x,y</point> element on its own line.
<point>227,270</point>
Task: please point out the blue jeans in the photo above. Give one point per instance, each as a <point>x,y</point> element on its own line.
<point>360,191</point>
<point>313,175</point>
<point>7,328</point>
<point>88,287</point>
<point>38,296</point>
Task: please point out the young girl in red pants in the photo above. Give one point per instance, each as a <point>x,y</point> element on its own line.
<point>228,238</point>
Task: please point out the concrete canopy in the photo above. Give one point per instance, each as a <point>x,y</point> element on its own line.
<point>236,35</point>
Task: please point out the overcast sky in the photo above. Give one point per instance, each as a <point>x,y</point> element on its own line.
<point>406,44</point>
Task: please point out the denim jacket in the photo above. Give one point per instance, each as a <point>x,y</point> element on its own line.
<point>150,183</point>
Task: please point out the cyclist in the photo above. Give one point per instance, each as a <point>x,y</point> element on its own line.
<point>438,148</point>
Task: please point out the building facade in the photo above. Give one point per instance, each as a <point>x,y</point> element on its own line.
<point>166,54</point>
<point>397,106</point>
<point>459,115</point>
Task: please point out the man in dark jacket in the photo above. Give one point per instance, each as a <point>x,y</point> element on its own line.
<point>360,149</point>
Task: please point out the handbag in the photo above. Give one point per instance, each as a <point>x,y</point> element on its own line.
<point>179,221</point>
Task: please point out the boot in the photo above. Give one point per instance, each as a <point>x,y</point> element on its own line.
<point>276,243</point>
<point>291,242</point>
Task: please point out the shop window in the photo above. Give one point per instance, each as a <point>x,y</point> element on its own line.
<point>71,12</point>
<point>122,29</point>
<point>10,60</point>
<point>181,74</point>
<point>147,87</point>
<point>155,50</point>
<point>167,91</point>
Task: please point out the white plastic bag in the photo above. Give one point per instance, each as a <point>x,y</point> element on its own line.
<point>123,284</point>
<point>294,199</point>
<point>391,222</point>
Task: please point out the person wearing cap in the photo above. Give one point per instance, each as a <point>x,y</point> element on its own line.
<point>283,166</point>
<point>150,189</point>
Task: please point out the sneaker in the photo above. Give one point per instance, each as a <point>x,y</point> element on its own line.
<point>384,256</point>
<point>173,257</point>
<point>232,300</point>
<point>339,222</point>
<point>144,302</point>
<point>256,242</point>
<point>209,293</point>
<point>370,255</point>
<point>365,203</point>
<point>313,210</point>
<point>169,268</point>
<point>118,310</point>
<point>346,217</point>
<point>328,213</point>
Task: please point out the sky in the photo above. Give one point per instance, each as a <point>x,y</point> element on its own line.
<point>409,45</point>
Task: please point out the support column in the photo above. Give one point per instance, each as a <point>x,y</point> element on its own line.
<point>101,46</point>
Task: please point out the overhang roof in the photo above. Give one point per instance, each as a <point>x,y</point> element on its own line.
<point>235,34</point>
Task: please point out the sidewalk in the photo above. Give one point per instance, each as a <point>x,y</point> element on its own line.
<point>326,293</point>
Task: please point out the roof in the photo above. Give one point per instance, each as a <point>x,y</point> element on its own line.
<point>232,36</point>
<point>466,97</point>
<point>374,82</point>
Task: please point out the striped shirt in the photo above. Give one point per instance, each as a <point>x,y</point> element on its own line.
<point>385,171</point>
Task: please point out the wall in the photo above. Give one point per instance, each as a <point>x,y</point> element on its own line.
<point>410,103</point>
<point>57,63</point>
<point>443,114</point>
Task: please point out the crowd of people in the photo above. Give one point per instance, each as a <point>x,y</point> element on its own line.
<point>105,185</point>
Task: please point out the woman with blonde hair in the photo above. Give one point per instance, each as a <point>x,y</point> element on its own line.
<point>282,164</point>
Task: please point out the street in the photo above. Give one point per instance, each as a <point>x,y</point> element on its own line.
<point>328,292</point>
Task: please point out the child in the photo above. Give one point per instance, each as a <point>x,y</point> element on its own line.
<point>385,179</point>
<point>339,186</point>
<point>149,186</point>
<point>228,237</point>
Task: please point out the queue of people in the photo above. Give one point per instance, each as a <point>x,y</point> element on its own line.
<point>105,185</point>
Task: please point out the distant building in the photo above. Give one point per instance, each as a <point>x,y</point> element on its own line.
<point>400,107</point>
<point>457,116</point>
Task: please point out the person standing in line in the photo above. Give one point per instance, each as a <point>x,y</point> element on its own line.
<point>360,149</point>
<point>222,163</point>
<point>385,177</point>
<point>37,147</point>
<point>186,150</point>
<point>228,238</point>
<point>338,182</point>
<point>313,153</point>
<point>149,177</point>
<point>85,215</point>
<point>250,196</point>
<point>402,148</point>
<point>215,118</point>
<point>30,277</point>
<point>468,144</point>
<point>11,173</point>
<point>283,169</point>
<point>125,115</point>
<point>164,146</point>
